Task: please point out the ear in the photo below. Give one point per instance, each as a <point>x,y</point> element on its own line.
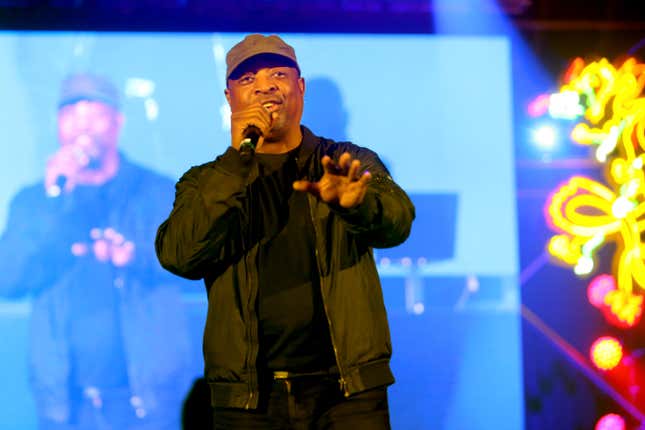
<point>301,85</point>
<point>227,94</point>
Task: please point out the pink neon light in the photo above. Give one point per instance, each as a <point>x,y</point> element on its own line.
<point>611,422</point>
<point>598,289</point>
<point>539,106</point>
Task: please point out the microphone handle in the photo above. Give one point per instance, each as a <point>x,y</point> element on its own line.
<point>56,189</point>
<point>252,135</point>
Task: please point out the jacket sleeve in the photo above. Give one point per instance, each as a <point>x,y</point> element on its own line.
<point>385,216</point>
<point>207,224</point>
<point>34,250</point>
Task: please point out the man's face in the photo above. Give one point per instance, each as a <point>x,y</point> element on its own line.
<point>93,127</point>
<point>273,84</point>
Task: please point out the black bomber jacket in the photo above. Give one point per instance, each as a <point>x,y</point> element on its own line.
<point>219,219</point>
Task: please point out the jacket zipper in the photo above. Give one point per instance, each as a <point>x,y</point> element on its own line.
<point>250,362</point>
<point>253,342</point>
<point>343,383</point>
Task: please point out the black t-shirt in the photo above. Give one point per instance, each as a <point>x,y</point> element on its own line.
<point>294,334</point>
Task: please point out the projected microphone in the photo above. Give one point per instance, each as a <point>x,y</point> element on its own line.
<point>252,135</point>
<point>56,189</point>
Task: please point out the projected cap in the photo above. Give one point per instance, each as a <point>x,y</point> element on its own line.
<point>256,44</point>
<point>86,86</point>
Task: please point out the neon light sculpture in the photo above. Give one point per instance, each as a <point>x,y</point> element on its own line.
<point>586,213</point>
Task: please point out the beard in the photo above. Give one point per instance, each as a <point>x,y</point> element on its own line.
<point>280,127</point>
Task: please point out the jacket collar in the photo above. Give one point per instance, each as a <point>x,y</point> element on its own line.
<point>309,143</point>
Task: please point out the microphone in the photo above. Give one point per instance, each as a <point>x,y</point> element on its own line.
<point>251,135</point>
<point>56,189</point>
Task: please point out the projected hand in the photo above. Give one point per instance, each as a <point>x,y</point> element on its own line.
<point>341,184</point>
<point>63,169</point>
<point>107,246</point>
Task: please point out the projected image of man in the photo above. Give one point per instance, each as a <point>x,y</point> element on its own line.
<point>108,338</point>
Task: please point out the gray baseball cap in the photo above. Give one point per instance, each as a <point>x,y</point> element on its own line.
<point>257,44</point>
<point>86,86</point>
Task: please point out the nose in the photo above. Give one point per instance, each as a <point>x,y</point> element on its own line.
<point>82,123</point>
<point>82,119</point>
<point>264,84</point>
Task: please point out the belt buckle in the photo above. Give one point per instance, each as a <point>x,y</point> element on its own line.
<point>280,374</point>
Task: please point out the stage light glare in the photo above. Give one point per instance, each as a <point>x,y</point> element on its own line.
<point>606,352</point>
<point>622,206</point>
<point>598,289</point>
<point>608,143</point>
<point>225,116</point>
<point>565,105</point>
<point>584,266</point>
<point>152,109</point>
<point>545,137</point>
<point>610,422</point>
<point>418,308</point>
<point>139,87</point>
<point>472,283</point>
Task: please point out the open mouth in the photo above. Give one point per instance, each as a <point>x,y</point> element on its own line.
<point>271,106</point>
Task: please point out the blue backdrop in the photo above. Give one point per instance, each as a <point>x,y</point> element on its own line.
<point>438,110</point>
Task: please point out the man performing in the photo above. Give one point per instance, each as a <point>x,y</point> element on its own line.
<point>281,228</point>
<point>108,338</point>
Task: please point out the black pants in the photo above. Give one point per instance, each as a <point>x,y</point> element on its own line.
<point>309,403</point>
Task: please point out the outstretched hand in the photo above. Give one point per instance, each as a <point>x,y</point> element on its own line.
<point>108,246</point>
<point>341,184</point>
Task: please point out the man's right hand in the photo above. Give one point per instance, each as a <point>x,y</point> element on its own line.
<point>67,163</point>
<point>256,116</point>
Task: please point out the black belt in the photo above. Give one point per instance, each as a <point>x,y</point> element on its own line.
<point>303,379</point>
<point>283,374</point>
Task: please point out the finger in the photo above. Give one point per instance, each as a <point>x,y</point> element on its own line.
<point>300,185</point>
<point>50,178</point>
<point>355,192</point>
<point>328,165</point>
<point>113,236</point>
<point>101,250</point>
<point>332,168</point>
<point>362,186</point>
<point>254,111</point>
<point>96,233</point>
<point>345,161</point>
<point>365,178</point>
<point>53,170</point>
<point>70,184</point>
<point>79,249</point>
<point>352,175</point>
<point>257,116</point>
<point>306,186</point>
<point>360,196</point>
<point>248,127</point>
<point>261,120</point>
<point>109,233</point>
<point>123,255</point>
